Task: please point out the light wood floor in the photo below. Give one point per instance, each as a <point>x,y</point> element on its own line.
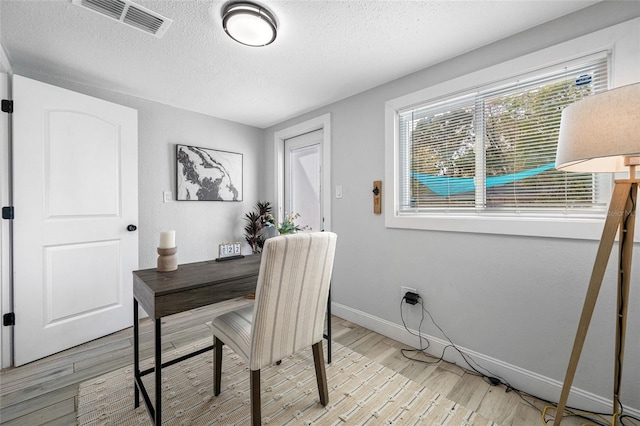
<point>44,391</point>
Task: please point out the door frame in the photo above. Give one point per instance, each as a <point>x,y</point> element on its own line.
<point>322,122</point>
<point>6,297</point>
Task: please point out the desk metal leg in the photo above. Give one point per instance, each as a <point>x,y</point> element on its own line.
<point>158,374</point>
<point>140,389</point>
<point>136,353</point>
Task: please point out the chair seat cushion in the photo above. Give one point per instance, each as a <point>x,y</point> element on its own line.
<point>234,329</point>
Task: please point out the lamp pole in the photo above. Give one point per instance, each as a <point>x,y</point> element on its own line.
<point>620,216</point>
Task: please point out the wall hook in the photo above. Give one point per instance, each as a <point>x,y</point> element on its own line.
<point>377,196</point>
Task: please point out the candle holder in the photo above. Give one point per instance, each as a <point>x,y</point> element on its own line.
<point>167,259</point>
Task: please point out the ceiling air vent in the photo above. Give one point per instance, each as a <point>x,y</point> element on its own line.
<point>129,13</point>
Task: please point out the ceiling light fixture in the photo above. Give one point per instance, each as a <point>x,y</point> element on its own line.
<point>249,24</point>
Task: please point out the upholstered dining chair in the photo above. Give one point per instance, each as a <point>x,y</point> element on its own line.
<point>288,313</point>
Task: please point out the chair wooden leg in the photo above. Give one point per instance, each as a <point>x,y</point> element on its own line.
<point>254,384</point>
<point>217,366</point>
<point>321,374</point>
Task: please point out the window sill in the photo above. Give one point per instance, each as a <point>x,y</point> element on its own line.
<point>586,228</point>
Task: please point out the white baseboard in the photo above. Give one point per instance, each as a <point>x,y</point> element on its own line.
<point>527,381</point>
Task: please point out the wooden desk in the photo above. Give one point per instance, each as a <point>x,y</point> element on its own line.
<point>191,286</point>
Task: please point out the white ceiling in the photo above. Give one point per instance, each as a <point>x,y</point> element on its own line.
<point>325,50</point>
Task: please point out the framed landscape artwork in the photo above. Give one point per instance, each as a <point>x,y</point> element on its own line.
<point>205,174</point>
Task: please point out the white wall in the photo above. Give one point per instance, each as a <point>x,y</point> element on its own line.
<point>199,225</point>
<point>514,302</point>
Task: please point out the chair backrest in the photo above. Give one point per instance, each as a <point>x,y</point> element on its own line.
<point>291,295</point>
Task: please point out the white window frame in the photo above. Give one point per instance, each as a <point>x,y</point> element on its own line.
<point>622,41</point>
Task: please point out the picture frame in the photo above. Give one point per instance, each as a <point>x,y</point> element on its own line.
<point>206,174</point>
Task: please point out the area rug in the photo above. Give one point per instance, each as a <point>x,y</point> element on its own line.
<point>361,392</point>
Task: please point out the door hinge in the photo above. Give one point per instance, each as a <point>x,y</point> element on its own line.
<point>9,319</point>
<point>8,212</point>
<point>7,106</point>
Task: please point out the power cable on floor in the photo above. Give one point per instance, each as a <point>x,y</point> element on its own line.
<point>493,379</point>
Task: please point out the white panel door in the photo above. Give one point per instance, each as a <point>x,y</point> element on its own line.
<point>303,179</point>
<point>75,194</point>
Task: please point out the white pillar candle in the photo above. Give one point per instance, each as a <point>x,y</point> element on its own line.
<point>167,239</point>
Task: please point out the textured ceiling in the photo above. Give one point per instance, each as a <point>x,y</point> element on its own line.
<point>325,50</point>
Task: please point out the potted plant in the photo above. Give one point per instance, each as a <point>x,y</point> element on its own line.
<point>257,220</point>
<point>288,225</point>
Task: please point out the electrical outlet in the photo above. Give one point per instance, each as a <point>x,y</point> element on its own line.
<point>404,290</point>
<point>167,197</point>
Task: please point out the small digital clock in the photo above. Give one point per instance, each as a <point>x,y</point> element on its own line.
<point>229,251</point>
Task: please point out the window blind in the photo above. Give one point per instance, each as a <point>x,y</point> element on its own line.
<point>494,149</point>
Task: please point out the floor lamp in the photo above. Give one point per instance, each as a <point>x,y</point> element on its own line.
<point>601,133</point>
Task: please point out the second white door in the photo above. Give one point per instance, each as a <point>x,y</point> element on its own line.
<point>303,179</point>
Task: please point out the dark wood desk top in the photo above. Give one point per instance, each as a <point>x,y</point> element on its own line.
<point>193,285</point>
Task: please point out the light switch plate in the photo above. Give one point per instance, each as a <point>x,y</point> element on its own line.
<point>339,191</point>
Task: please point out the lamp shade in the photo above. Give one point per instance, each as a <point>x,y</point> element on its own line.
<point>598,132</point>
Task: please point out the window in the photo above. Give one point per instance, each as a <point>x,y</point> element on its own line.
<point>493,151</point>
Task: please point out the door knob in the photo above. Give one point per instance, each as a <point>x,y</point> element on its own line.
<point>131,228</point>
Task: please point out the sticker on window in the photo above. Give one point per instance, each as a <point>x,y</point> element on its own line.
<point>583,80</point>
